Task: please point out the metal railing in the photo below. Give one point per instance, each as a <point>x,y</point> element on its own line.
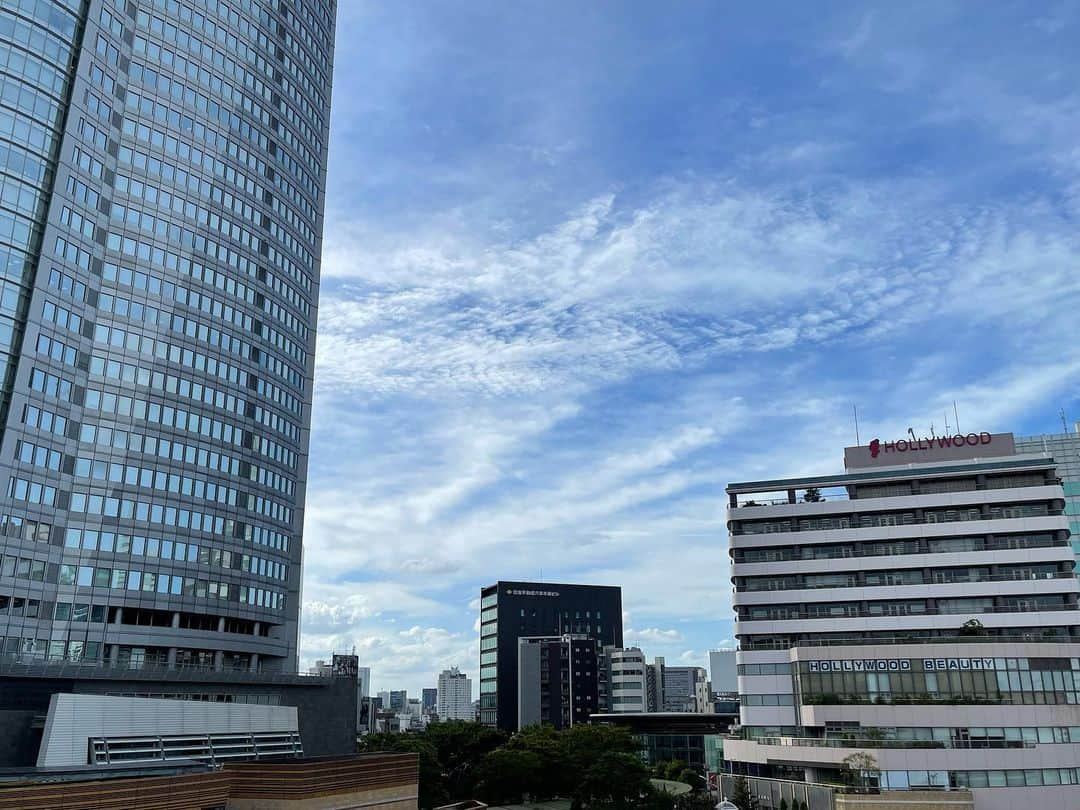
<point>856,641</point>
<point>866,614</point>
<point>872,742</point>
<point>31,666</point>
<point>797,528</point>
<point>1027,577</point>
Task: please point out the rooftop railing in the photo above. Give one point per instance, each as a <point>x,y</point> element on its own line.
<point>863,613</point>
<point>861,640</point>
<point>1025,577</point>
<point>877,742</point>
<point>30,666</point>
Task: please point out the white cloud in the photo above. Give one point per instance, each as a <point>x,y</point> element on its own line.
<point>501,391</point>
<point>651,635</point>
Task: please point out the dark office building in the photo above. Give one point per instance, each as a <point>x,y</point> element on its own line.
<point>558,680</point>
<point>513,610</point>
<point>399,701</point>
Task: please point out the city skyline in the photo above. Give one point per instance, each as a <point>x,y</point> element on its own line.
<point>582,269</point>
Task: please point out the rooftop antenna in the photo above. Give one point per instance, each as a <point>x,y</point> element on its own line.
<point>932,434</point>
<point>946,423</point>
<point>956,415</point>
<point>855,408</point>
<point>911,431</point>
<point>1064,421</point>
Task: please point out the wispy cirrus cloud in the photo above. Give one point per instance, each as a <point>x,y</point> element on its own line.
<point>562,308</point>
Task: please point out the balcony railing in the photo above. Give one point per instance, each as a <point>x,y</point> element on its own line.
<point>32,666</point>
<point>1025,577</point>
<point>795,528</point>
<point>878,742</point>
<point>911,638</point>
<point>862,613</point>
<point>1062,697</point>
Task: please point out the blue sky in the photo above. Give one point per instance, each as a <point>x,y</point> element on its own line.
<point>587,262</point>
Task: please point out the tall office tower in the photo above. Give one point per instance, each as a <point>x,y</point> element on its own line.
<point>512,610</point>
<point>162,171</point>
<point>915,607</point>
<point>454,696</point>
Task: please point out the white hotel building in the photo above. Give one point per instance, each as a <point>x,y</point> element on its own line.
<point>851,596</point>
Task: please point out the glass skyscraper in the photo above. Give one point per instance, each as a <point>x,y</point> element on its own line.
<point>1065,448</point>
<point>162,173</point>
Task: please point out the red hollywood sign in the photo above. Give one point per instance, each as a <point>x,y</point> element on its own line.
<point>911,445</point>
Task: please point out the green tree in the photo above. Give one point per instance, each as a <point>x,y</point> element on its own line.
<point>507,775</point>
<point>672,769</point>
<point>432,791</point>
<point>741,795</point>
<point>972,627</point>
<point>615,780</point>
<point>860,770</point>
<point>688,776</point>
<point>460,747</point>
<point>549,745</point>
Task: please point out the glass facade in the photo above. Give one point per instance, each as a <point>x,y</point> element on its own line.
<point>1065,448</point>
<point>162,174</point>
<point>1028,681</point>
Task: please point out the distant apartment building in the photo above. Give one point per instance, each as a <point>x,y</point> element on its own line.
<point>686,689</point>
<point>625,688</point>
<point>513,610</point>
<point>722,676</point>
<point>920,606</point>
<point>454,696</point>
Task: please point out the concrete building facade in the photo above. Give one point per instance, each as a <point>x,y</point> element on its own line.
<point>558,680</point>
<point>626,685</point>
<point>920,607</point>
<point>722,674</point>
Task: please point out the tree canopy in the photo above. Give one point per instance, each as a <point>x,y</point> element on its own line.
<point>595,766</point>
